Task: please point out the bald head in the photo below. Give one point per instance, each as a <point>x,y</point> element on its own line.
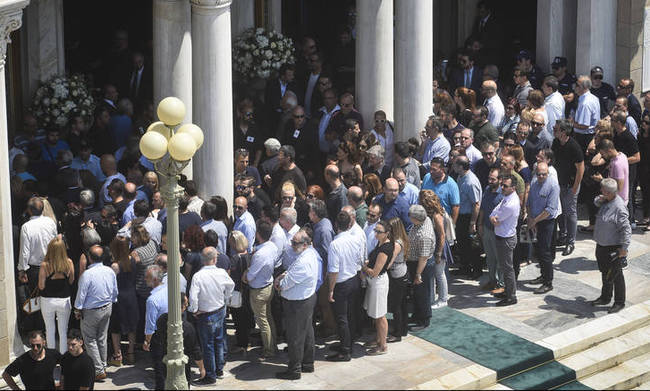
<point>489,88</point>
<point>355,196</point>
<point>391,190</point>
<point>332,174</point>
<point>542,171</point>
<point>350,211</point>
<point>108,164</point>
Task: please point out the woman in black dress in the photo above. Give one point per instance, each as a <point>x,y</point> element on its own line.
<point>243,316</point>
<point>125,316</point>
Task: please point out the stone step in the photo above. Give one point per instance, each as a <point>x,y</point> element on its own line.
<point>544,377</point>
<point>498,386</point>
<point>601,329</point>
<point>609,353</point>
<point>644,386</point>
<point>625,376</point>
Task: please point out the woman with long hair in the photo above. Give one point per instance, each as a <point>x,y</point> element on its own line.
<point>193,244</point>
<point>398,280</point>
<point>55,279</point>
<point>349,161</point>
<point>243,316</point>
<point>442,254</point>
<point>314,192</point>
<point>376,300</point>
<point>371,187</point>
<point>465,99</point>
<point>124,318</point>
<point>512,117</point>
<point>144,254</point>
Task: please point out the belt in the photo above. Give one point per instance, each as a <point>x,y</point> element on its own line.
<point>211,312</point>
<point>265,286</point>
<point>504,237</point>
<point>98,308</point>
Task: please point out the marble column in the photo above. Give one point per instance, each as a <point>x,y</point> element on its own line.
<point>414,67</point>
<point>44,45</point>
<point>596,37</point>
<point>374,53</point>
<point>556,32</point>
<point>274,9</point>
<point>212,96</point>
<point>633,43</point>
<point>243,16</point>
<point>172,55</point>
<point>10,342</point>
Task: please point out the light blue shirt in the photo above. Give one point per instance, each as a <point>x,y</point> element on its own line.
<point>447,191</point>
<point>323,235</point>
<point>91,165</point>
<point>279,238</point>
<point>323,144</point>
<point>97,287</point>
<point>587,113</point>
<point>438,147</point>
<point>343,256</point>
<point>260,273</point>
<point>302,276</point>
<point>183,281</point>
<point>156,306</point>
<point>221,230</point>
<point>104,191</point>
<point>544,196</point>
<point>153,227</point>
<point>555,106</point>
<point>128,213</point>
<point>470,191</point>
<point>246,225</point>
<point>411,193</point>
<point>371,239</point>
<point>507,213</point>
<point>631,125</point>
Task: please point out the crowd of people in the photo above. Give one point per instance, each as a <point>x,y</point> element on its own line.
<point>335,222</point>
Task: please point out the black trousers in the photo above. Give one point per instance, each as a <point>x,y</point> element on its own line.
<point>346,297</point>
<point>612,274</point>
<point>469,256</point>
<point>300,332</point>
<point>159,368</point>
<point>243,319</point>
<point>545,250</point>
<point>397,304</point>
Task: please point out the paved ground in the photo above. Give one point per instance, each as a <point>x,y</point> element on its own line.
<point>414,361</point>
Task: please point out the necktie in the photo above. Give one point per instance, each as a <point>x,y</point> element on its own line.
<point>467,79</point>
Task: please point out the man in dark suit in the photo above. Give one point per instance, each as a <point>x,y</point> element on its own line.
<point>302,134</point>
<point>309,84</point>
<point>625,87</point>
<point>489,32</point>
<point>138,83</point>
<point>468,75</point>
<point>275,90</point>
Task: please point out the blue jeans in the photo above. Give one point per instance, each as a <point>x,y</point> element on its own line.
<point>210,328</point>
<point>568,220</point>
<point>423,292</point>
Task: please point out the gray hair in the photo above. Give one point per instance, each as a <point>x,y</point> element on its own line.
<point>209,254</point>
<point>156,272</point>
<point>273,146</point>
<point>125,106</point>
<point>609,185</point>
<point>289,214</point>
<point>351,211</point>
<point>584,81</point>
<point>90,237</point>
<point>376,151</point>
<point>417,212</point>
<point>291,99</point>
<point>87,198</point>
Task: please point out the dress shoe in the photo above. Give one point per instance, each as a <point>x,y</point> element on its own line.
<point>538,280</point>
<point>204,381</point>
<point>506,302</point>
<point>497,290</point>
<point>488,286</point>
<point>288,375</point>
<point>559,242</point>
<point>307,368</point>
<point>336,347</point>
<point>615,308</point>
<point>568,249</point>
<point>543,289</point>
<point>599,301</point>
<point>500,295</point>
<point>101,376</point>
<point>338,357</point>
<point>417,328</point>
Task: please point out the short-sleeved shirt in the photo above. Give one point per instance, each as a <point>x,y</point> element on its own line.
<point>469,188</point>
<point>446,190</point>
<point>566,158</point>
<point>588,113</point>
<point>626,143</point>
<point>619,169</point>
<point>35,375</point>
<point>78,371</point>
<point>490,200</point>
<point>386,248</point>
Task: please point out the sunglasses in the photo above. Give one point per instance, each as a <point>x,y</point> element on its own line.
<point>298,116</point>
<point>378,231</point>
<point>372,215</point>
<point>598,77</point>
<point>36,345</point>
<point>534,123</point>
<point>509,145</point>
<point>237,207</point>
<point>542,174</point>
<point>240,187</point>
<point>310,196</point>
<point>380,121</point>
<point>506,186</point>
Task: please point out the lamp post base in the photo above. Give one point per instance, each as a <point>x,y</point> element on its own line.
<point>176,379</point>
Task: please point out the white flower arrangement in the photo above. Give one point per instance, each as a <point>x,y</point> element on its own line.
<point>258,53</point>
<point>59,97</point>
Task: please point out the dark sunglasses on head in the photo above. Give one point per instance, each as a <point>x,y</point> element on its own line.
<point>598,77</point>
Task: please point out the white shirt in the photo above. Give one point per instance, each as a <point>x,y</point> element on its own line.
<point>302,276</point>
<point>343,256</point>
<point>288,255</point>
<point>35,235</point>
<point>371,240</point>
<point>388,143</point>
<point>554,105</point>
<point>210,290</point>
<point>496,111</point>
<point>195,205</point>
<point>151,224</point>
<point>507,213</point>
<point>473,154</point>
<point>183,281</point>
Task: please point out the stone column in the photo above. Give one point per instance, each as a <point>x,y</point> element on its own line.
<point>414,67</point>
<point>212,96</point>
<point>274,9</point>
<point>243,16</point>
<point>374,53</point>
<point>10,342</point>
<point>633,43</point>
<point>44,47</point>
<point>596,37</point>
<point>172,55</point>
<point>556,32</point>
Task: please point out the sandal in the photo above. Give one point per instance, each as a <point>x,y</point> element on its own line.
<point>130,359</point>
<point>116,360</point>
<point>392,339</point>
<point>376,352</point>
<point>370,344</point>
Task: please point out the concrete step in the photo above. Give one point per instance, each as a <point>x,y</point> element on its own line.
<point>644,386</point>
<point>609,353</point>
<point>498,386</point>
<point>592,333</point>
<point>625,376</point>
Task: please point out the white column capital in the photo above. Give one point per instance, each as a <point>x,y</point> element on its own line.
<point>210,4</point>
<point>11,18</point>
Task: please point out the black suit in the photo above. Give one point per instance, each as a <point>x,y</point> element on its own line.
<point>143,91</point>
<point>305,142</point>
<point>490,35</point>
<point>272,97</point>
<point>457,79</point>
<point>634,107</point>
<point>315,102</point>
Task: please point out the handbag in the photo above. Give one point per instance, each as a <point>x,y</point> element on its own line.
<point>33,304</point>
<point>450,232</point>
<point>235,300</point>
